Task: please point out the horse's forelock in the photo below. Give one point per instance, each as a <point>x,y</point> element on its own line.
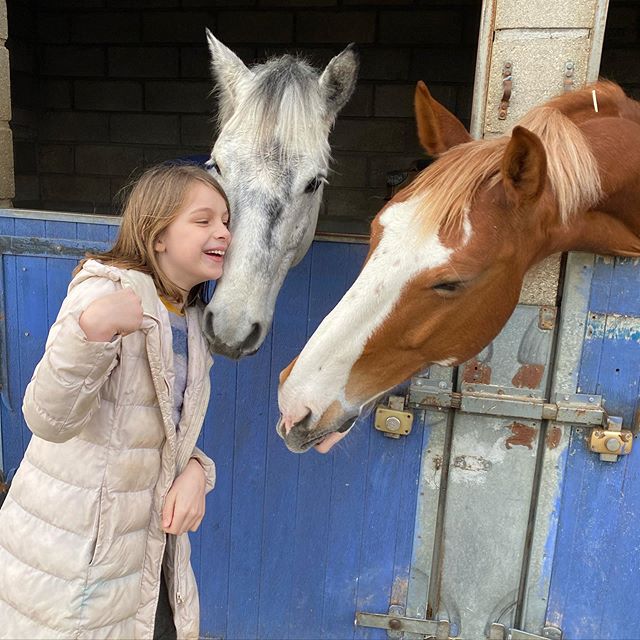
<point>447,188</point>
<point>284,109</point>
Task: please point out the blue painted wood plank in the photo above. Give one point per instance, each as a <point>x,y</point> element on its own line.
<point>99,232</point>
<point>32,320</point>
<point>329,264</point>
<point>282,467</point>
<point>59,229</point>
<point>591,352</point>
<point>11,421</point>
<point>114,230</point>
<point>58,277</point>
<point>624,286</point>
<point>623,572</point>
<point>7,226</point>
<point>601,284</point>
<point>619,371</point>
<point>384,472</point>
<point>346,518</point>
<point>597,533</point>
<point>25,227</point>
<point>218,437</point>
<point>248,493</point>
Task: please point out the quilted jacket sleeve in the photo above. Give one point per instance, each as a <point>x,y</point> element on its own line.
<point>209,467</point>
<point>64,391</point>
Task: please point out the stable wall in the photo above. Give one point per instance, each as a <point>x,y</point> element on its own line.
<point>100,90</point>
<point>103,89</point>
<point>6,147</point>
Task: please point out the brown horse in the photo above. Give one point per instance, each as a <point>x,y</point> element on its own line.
<point>449,252</point>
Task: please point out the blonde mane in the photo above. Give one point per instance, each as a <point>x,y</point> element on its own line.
<point>448,187</point>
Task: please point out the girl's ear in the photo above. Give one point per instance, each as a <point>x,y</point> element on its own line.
<point>159,245</point>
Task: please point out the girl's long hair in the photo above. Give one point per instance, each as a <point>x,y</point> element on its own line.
<point>153,203</point>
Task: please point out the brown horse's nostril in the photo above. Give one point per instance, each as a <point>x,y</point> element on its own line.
<point>304,423</point>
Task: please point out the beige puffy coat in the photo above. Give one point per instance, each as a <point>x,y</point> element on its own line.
<point>81,542</point>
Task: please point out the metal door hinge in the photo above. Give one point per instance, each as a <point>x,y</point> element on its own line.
<point>394,420</point>
<point>396,624</point>
<point>567,81</point>
<point>507,86</point>
<point>501,632</point>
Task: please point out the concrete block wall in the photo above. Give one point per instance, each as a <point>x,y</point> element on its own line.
<point>105,87</point>
<point>621,49</point>
<point>101,88</point>
<point>6,144</point>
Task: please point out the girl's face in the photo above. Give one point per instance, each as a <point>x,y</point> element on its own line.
<point>191,249</point>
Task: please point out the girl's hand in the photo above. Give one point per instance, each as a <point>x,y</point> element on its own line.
<point>119,312</point>
<point>184,505</point>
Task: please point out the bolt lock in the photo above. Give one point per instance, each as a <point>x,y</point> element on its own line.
<point>393,420</point>
<point>611,442</point>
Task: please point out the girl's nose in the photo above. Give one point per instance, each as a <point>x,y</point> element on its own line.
<point>223,233</point>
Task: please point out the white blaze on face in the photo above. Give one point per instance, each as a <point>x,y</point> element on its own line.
<point>320,374</point>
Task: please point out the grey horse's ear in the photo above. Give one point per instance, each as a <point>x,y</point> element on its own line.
<point>338,80</point>
<point>228,72</point>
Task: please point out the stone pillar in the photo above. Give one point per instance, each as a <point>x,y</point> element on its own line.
<point>550,46</point>
<point>7,184</point>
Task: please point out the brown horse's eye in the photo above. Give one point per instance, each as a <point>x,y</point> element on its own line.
<point>448,287</point>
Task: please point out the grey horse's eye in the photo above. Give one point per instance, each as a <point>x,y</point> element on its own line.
<point>212,165</point>
<point>313,185</point>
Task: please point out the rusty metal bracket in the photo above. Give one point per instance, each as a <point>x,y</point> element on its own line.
<point>507,86</point>
<point>501,632</point>
<point>547,318</point>
<point>396,624</point>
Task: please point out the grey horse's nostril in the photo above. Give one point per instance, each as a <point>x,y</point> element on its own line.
<point>251,341</point>
<point>208,322</point>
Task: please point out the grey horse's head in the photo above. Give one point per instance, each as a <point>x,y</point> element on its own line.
<point>272,158</point>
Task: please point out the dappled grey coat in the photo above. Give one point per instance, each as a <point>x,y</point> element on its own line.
<point>81,542</point>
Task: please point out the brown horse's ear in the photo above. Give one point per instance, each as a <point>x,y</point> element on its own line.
<point>438,128</point>
<point>524,167</point>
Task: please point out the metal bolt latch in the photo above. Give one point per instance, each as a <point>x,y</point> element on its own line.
<point>611,442</point>
<point>393,423</point>
<point>393,420</point>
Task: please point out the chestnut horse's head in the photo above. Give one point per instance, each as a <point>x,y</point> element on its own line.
<point>447,258</point>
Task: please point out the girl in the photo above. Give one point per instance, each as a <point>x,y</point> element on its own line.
<point>96,517</point>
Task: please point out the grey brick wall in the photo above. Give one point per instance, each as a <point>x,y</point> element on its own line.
<point>101,88</point>
<point>105,87</point>
<point>621,50</point>
<point>6,146</point>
